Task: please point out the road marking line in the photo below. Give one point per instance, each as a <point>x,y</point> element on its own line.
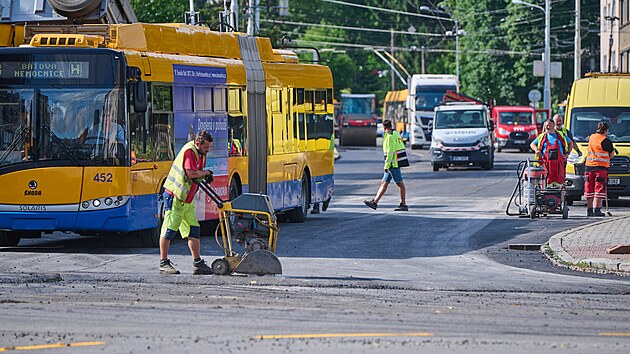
<point>337,335</point>
<point>615,334</point>
<point>50,346</point>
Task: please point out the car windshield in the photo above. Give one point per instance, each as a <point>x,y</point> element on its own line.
<point>73,126</point>
<point>460,119</point>
<point>584,122</point>
<point>516,118</point>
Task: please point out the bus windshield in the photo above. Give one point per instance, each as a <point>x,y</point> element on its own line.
<point>584,122</point>
<point>68,125</point>
<point>460,119</point>
<point>516,118</point>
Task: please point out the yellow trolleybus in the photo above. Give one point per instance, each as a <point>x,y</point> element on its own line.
<point>92,116</point>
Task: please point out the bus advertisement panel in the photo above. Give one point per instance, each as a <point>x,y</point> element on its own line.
<point>195,84</point>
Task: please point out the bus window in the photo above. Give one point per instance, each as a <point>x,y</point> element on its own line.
<point>203,99</point>
<point>220,99</point>
<point>299,118</point>
<point>236,123</point>
<point>278,121</point>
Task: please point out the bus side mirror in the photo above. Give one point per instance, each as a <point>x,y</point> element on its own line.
<point>139,96</point>
<point>138,89</point>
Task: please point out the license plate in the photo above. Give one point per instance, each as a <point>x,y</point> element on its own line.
<point>459,158</point>
<point>614,181</point>
<point>519,141</point>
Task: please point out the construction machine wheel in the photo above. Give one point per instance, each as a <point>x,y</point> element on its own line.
<point>436,167</point>
<point>220,267</point>
<point>532,212</point>
<point>9,239</point>
<point>256,244</point>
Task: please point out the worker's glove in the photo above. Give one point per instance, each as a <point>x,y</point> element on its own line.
<point>579,153</point>
<point>208,179</point>
<point>616,151</point>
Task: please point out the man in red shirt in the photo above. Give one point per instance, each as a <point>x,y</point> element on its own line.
<point>179,194</point>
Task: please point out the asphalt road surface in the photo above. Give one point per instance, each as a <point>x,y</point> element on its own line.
<point>436,279</point>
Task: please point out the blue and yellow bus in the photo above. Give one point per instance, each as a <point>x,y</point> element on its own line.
<point>90,124</point>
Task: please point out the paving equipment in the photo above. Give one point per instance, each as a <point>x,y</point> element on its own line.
<point>249,223</point>
<point>532,196</point>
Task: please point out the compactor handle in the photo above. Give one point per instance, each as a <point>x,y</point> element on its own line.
<point>205,186</point>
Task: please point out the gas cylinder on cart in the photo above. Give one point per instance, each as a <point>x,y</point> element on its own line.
<point>535,176</point>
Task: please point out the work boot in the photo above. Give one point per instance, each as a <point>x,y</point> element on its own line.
<point>401,207</point>
<point>598,212</point>
<point>167,268</point>
<point>371,203</point>
<point>200,267</point>
<point>589,212</point>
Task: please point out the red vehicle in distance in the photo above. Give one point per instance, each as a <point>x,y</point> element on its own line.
<point>515,126</point>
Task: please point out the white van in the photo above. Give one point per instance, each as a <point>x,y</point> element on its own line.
<point>462,135</point>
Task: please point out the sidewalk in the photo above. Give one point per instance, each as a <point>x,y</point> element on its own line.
<point>585,248</point>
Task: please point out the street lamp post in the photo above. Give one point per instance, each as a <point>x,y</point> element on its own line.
<point>547,57</point>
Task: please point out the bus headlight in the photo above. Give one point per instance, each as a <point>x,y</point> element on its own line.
<point>103,203</point>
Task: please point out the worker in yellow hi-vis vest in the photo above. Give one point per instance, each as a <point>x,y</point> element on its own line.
<point>179,194</point>
<point>392,142</point>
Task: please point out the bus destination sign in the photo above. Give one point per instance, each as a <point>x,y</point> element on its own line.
<point>44,70</point>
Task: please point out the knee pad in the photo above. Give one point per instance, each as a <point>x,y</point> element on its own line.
<point>195,232</point>
<point>170,234</point>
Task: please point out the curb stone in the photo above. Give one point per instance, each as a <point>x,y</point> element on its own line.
<point>553,251</point>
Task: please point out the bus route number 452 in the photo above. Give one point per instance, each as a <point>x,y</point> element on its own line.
<point>103,177</point>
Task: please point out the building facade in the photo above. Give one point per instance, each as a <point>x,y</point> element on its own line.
<point>615,35</point>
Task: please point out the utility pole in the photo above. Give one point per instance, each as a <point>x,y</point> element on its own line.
<point>391,40</point>
<point>422,59</point>
<point>253,16</point>
<point>577,60</point>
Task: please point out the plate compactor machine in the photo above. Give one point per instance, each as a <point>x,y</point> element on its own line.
<point>249,222</point>
<point>533,197</point>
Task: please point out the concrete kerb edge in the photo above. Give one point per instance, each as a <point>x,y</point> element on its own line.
<point>553,250</point>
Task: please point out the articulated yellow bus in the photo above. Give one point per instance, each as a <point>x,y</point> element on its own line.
<point>90,124</point>
<point>394,109</point>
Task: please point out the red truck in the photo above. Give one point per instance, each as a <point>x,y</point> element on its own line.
<point>515,126</point>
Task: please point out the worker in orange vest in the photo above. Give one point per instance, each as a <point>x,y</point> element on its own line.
<point>600,150</point>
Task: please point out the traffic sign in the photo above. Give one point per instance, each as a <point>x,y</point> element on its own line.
<point>534,95</point>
